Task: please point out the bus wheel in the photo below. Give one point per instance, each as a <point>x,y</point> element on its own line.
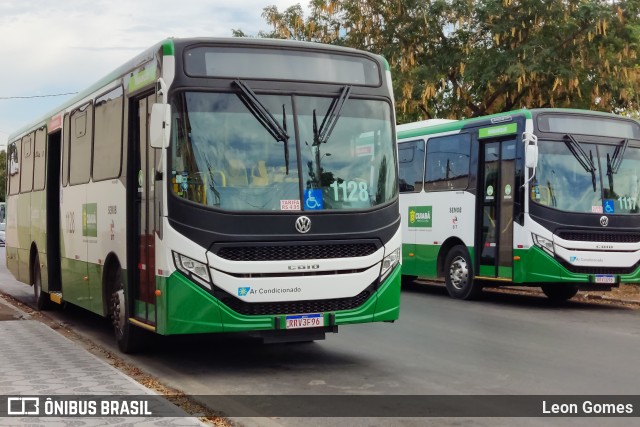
<point>129,337</point>
<point>459,274</point>
<point>43,301</point>
<point>560,293</point>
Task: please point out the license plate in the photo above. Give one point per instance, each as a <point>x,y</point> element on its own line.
<point>605,278</point>
<point>305,321</point>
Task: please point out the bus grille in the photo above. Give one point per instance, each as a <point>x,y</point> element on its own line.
<point>296,252</point>
<point>594,236</point>
<point>292,307</point>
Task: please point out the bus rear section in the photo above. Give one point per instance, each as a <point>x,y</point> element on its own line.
<point>546,198</point>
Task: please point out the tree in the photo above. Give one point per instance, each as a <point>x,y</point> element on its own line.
<point>460,58</point>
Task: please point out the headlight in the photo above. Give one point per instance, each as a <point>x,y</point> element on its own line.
<point>388,263</point>
<point>193,269</point>
<point>544,244</point>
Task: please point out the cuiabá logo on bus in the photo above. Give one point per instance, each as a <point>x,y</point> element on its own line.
<point>90,220</point>
<point>420,216</point>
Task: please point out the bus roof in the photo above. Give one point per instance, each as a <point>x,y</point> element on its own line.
<point>118,72</point>
<point>422,124</point>
<point>451,125</point>
<point>168,49</point>
<point>425,127</point>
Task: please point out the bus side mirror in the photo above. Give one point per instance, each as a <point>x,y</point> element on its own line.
<point>160,125</point>
<point>531,156</point>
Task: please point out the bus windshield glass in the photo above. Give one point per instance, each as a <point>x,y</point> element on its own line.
<point>226,156</point>
<point>563,182</point>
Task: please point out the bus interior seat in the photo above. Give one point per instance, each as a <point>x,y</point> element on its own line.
<point>236,173</point>
<point>259,174</point>
<point>544,195</point>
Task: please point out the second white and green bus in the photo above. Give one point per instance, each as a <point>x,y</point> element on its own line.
<point>545,197</point>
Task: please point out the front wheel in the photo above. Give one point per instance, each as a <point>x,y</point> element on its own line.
<point>130,338</point>
<point>560,293</point>
<point>43,301</point>
<point>458,272</point>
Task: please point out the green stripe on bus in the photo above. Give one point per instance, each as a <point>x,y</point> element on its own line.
<point>168,49</point>
<point>494,131</point>
<point>387,67</point>
<point>459,125</point>
<point>143,76</point>
<point>185,308</point>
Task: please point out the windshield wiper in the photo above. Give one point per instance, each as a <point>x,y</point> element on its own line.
<point>614,162</point>
<point>330,119</point>
<point>610,171</point>
<point>585,161</point>
<point>618,155</point>
<point>212,182</point>
<point>265,118</point>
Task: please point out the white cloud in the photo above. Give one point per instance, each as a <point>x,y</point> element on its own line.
<point>64,46</point>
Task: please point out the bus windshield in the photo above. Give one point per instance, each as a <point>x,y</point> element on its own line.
<point>608,184</point>
<point>225,156</point>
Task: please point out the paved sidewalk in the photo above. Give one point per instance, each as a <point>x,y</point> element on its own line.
<point>36,360</point>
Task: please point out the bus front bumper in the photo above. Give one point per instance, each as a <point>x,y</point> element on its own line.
<point>185,308</point>
<point>534,266</point>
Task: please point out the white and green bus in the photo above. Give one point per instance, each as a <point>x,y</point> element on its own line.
<point>545,197</point>
<point>215,185</point>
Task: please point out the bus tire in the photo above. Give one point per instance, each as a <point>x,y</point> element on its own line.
<point>458,272</point>
<point>129,337</point>
<point>43,301</point>
<point>560,293</point>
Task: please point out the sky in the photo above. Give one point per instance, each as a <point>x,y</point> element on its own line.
<point>56,46</point>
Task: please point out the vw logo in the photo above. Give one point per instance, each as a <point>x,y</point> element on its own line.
<point>604,221</point>
<point>303,224</point>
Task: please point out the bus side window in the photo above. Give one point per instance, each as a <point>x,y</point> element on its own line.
<point>26,175</point>
<point>447,165</point>
<point>107,142</point>
<point>411,159</point>
<point>80,147</point>
<point>14,168</point>
<point>40,156</point>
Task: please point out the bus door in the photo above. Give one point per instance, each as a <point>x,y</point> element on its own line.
<point>144,159</point>
<point>411,160</point>
<point>494,254</point>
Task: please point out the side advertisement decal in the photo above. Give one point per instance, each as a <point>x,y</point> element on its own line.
<point>90,220</point>
<point>420,217</point>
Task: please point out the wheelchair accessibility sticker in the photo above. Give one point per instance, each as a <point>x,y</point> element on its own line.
<point>609,206</point>
<point>313,200</point>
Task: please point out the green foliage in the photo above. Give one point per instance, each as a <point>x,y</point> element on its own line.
<point>460,58</point>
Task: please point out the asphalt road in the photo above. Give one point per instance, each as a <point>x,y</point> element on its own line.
<point>501,345</point>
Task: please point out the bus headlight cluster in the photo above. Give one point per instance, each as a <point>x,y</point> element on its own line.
<point>193,269</point>
<point>388,263</point>
<point>545,244</point>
